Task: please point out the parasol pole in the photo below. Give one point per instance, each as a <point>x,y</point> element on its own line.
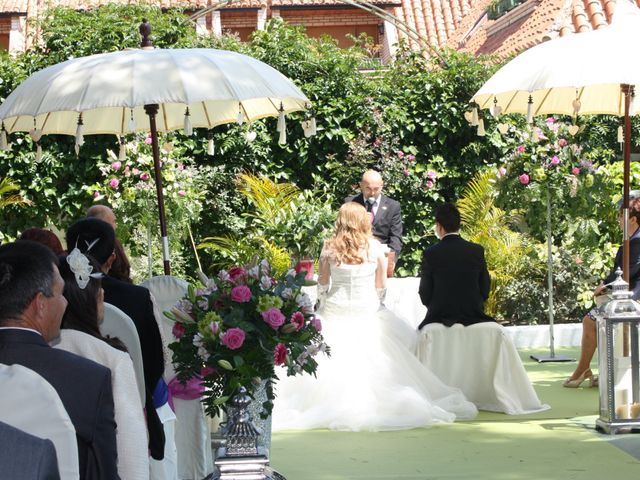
<point>152,110</point>
<point>628,91</point>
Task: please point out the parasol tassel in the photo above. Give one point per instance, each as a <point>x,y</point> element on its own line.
<point>576,107</point>
<point>132,123</point>
<point>188,128</point>
<point>80,132</point>
<point>36,134</point>
<point>240,119</point>
<point>77,149</point>
<point>312,121</point>
<point>530,110</point>
<point>4,145</point>
<point>306,127</point>
<point>474,117</point>
<point>620,136</point>
<point>211,148</point>
<point>38,153</point>
<point>281,122</point>
<point>283,137</point>
<point>481,130</point>
<point>633,106</point>
<point>122,152</point>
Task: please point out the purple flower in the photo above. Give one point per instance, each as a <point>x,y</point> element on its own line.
<point>520,149</point>
<point>114,183</point>
<point>178,330</point>
<point>432,175</point>
<point>116,165</point>
<point>555,160</point>
<point>316,323</point>
<point>233,338</point>
<point>524,179</point>
<point>241,294</point>
<point>273,317</point>
<point>298,320</point>
<point>215,328</point>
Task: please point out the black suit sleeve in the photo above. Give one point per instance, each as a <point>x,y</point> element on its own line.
<point>485,278</point>
<point>426,282</point>
<point>104,447</point>
<point>395,231</point>
<point>151,343</point>
<point>47,467</point>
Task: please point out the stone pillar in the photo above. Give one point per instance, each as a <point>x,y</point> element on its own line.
<point>262,18</point>
<point>389,41</point>
<point>216,23</point>
<point>17,40</point>
<point>201,25</point>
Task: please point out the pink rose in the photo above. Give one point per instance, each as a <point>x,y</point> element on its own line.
<point>116,165</point>
<point>520,149</point>
<point>406,172</point>
<point>114,183</point>
<point>182,193</point>
<point>502,171</point>
<point>316,323</point>
<point>411,158</point>
<point>562,142</point>
<point>555,160</point>
<point>377,142</point>
<point>298,320</point>
<point>432,175</point>
<point>180,167</point>
<point>273,317</point>
<point>280,354</point>
<point>429,184</point>
<point>148,140</point>
<point>233,338</point>
<point>96,194</point>
<point>575,171</point>
<point>144,177</point>
<point>135,171</point>
<point>127,173</point>
<point>400,154</point>
<point>550,120</point>
<point>206,371</point>
<point>241,294</point>
<point>178,330</point>
<point>524,179</point>
<point>237,273</point>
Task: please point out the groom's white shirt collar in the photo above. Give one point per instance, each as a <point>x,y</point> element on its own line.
<point>450,233</point>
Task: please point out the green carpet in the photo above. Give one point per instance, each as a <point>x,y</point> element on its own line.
<point>557,444</point>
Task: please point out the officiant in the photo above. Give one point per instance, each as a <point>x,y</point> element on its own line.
<point>386,216</point>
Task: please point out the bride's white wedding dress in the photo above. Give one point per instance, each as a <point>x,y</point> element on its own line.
<point>372,381</point>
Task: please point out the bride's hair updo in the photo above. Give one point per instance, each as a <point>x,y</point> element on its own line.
<point>351,234</point>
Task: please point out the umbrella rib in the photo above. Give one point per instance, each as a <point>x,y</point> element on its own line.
<point>543,100</point>
<point>45,121</point>
<point>206,114</point>
<point>164,117</point>
<point>122,120</point>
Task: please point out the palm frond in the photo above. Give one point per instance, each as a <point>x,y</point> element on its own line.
<point>7,197</point>
<point>267,196</point>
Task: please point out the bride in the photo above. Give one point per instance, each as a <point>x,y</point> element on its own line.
<point>372,381</point>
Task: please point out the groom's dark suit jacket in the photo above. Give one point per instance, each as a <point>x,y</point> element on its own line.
<point>454,282</point>
<point>26,456</point>
<point>85,390</point>
<point>387,223</point>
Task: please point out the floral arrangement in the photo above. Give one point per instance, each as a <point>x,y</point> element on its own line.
<point>234,331</point>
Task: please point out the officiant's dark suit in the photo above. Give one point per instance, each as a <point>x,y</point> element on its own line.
<point>26,456</point>
<point>84,387</point>
<point>454,281</point>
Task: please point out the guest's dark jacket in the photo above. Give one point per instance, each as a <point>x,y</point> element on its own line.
<point>387,223</point>
<point>135,301</point>
<point>85,390</point>
<point>454,282</point>
<point>26,456</point>
<point>634,265</point>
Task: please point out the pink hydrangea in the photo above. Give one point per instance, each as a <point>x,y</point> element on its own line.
<point>524,179</point>
<point>114,183</point>
<point>116,165</point>
<point>406,172</point>
<point>316,323</point>
<point>241,294</point>
<point>555,160</point>
<point>432,175</point>
<point>273,317</point>
<point>298,320</point>
<point>575,171</point>
<point>280,354</point>
<point>411,158</point>
<point>178,330</point>
<point>233,338</point>
<point>550,120</point>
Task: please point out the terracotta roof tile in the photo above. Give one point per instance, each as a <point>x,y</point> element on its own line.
<point>301,3</point>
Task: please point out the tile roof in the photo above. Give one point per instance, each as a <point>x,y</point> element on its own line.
<point>324,3</point>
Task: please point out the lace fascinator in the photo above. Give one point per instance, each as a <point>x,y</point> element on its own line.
<point>81,267</point>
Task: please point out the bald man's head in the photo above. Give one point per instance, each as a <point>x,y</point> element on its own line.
<point>371,184</point>
<point>104,213</point>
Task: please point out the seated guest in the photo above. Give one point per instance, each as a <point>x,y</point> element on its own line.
<point>81,335</point>
<point>45,237</point>
<point>454,281</point>
<point>120,268</point>
<point>589,341</point>
<point>31,309</point>
<point>97,238</point>
<point>26,456</point>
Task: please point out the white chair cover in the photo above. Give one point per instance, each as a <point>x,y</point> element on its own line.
<point>131,433</point>
<point>116,323</point>
<point>482,361</point>
<point>30,403</point>
<point>192,433</point>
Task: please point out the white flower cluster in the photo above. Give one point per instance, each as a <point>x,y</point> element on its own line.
<point>81,268</point>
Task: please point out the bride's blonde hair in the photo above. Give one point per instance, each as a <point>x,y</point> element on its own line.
<point>351,234</point>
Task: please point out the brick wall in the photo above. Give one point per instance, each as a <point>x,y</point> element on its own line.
<point>242,23</point>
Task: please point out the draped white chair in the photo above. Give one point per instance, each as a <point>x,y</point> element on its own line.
<point>116,323</point>
<point>131,433</point>
<point>192,432</point>
<point>28,402</point>
<point>482,361</point>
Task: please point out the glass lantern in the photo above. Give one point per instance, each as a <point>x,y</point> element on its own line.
<point>618,324</point>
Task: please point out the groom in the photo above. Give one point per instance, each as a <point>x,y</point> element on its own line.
<point>386,216</point>
<point>454,281</point>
